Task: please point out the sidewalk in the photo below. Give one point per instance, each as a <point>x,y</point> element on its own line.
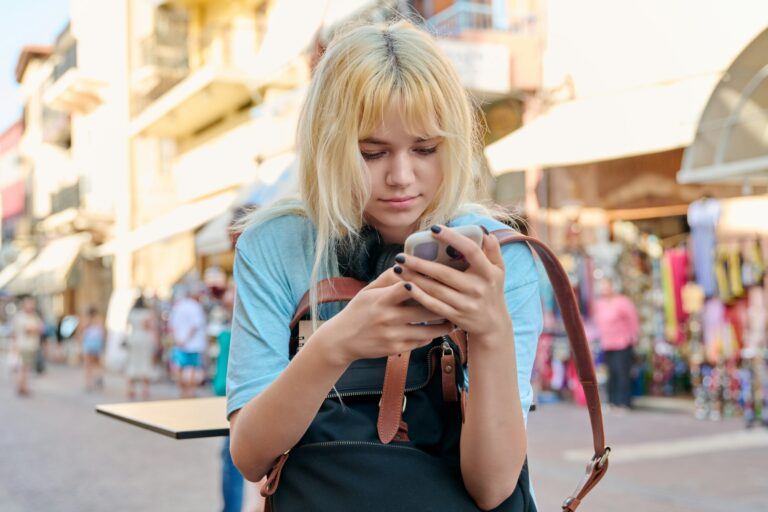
<point>58,454</point>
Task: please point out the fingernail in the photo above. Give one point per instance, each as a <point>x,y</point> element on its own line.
<point>484,230</point>
<point>408,286</point>
<point>400,259</point>
<point>435,228</point>
<point>398,270</point>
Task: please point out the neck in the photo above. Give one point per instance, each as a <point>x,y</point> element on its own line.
<point>395,234</point>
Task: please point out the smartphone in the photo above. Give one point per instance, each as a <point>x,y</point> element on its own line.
<point>423,245</point>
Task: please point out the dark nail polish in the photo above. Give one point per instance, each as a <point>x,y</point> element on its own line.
<point>484,230</point>
<point>400,259</point>
<point>398,270</point>
<point>436,229</point>
<point>408,286</point>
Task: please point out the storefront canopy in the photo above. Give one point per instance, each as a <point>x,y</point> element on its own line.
<point>643,120</point>
<point>278,178</point>
<point>731,141</point>
<point>49,271</point>
<point>12,269</point>
<point>185,218</point>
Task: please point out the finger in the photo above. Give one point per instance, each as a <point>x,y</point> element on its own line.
<point>431,303</point>
<point>447,275</point>
<point>436,288</point>
<point>471,251</point>
<point>397,293</point>
<point>492,250</point>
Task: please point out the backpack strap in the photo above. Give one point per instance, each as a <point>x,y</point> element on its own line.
<point>566,300</point>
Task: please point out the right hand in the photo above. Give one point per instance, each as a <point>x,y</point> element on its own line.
<point>376,323</point>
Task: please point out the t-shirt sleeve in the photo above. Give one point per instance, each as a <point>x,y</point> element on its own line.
<point>521,293</point>
<point>263,309</point>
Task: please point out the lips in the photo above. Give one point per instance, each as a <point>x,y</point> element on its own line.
<point>399,199</point>
<point>400,203</point>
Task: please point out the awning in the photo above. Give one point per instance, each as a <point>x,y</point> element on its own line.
<point>49,271</point>
<point>278,178</point>
<point>635,122</point>
<point>744,216</point>
<point>731,142</point>
<point>185,218</point>
<point>12,269</point>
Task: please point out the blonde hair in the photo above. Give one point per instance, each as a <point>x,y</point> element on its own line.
<point>365,70</point>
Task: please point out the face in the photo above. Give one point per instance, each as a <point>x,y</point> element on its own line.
<point>405,173</point>
<point>606,288</point>
<point>28,305</point>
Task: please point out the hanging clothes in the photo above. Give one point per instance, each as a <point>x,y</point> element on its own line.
<point>667,287</point>
<point>678,264</point>
<point>703,216</point>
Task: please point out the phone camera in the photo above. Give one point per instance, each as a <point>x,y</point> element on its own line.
<point>453,253</point>
<point>426,251</point>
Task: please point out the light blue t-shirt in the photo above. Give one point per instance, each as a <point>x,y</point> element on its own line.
<point>273,264</point>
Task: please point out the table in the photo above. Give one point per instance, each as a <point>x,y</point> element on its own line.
<point>187,418</point>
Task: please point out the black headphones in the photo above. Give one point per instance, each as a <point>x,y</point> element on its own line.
<point>366,259</point>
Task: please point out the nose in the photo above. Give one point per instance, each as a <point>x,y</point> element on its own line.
<point>401,173</point>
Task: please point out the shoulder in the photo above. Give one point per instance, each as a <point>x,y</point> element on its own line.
<point>281,231</point>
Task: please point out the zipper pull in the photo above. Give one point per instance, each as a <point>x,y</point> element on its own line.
<point>448,366</point>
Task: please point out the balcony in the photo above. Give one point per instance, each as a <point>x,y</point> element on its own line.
<point>495,52</point>
<point>163,58</point>
<point>68,89</point>
<point>214,85</point>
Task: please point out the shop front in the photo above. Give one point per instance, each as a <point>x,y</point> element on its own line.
<point>615,183</point>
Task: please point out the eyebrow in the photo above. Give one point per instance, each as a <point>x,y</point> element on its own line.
<point>374,140</point>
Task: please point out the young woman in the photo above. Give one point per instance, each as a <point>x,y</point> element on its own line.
<point>387,143</point>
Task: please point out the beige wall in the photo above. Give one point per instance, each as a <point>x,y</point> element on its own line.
<point>160,265</point>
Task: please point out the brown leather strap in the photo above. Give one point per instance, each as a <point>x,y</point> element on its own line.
<point>269,486</point>
<point>448,371</point>
<point>585,368</point>
<point>335,289</point>
<point>392,397</point>
<point>459,337</point>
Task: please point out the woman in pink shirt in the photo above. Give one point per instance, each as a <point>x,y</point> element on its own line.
<point>617,324</point>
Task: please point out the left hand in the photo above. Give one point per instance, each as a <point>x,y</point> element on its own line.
<point>472,300</point>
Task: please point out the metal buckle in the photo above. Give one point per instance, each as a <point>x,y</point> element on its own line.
<point>603,458</point>
<point>405,401</point>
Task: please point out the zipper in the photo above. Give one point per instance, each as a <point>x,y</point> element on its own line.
<point>357,443</point>
<point>343,394</point>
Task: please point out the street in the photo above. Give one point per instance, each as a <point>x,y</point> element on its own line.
<point>58,454</point>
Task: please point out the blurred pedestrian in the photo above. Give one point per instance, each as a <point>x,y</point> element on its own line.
<point>141,343</point>
<point>28,328</point>
<point>232,482</point>
<point>618,326</point>
<point>187,324</point>
<point>93,335</point>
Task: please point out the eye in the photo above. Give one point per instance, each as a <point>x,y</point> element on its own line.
<point>427,151</point>
<point>372,156</point>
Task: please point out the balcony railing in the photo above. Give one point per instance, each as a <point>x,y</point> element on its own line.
<point>462,16</point>
<point>478,15</point>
